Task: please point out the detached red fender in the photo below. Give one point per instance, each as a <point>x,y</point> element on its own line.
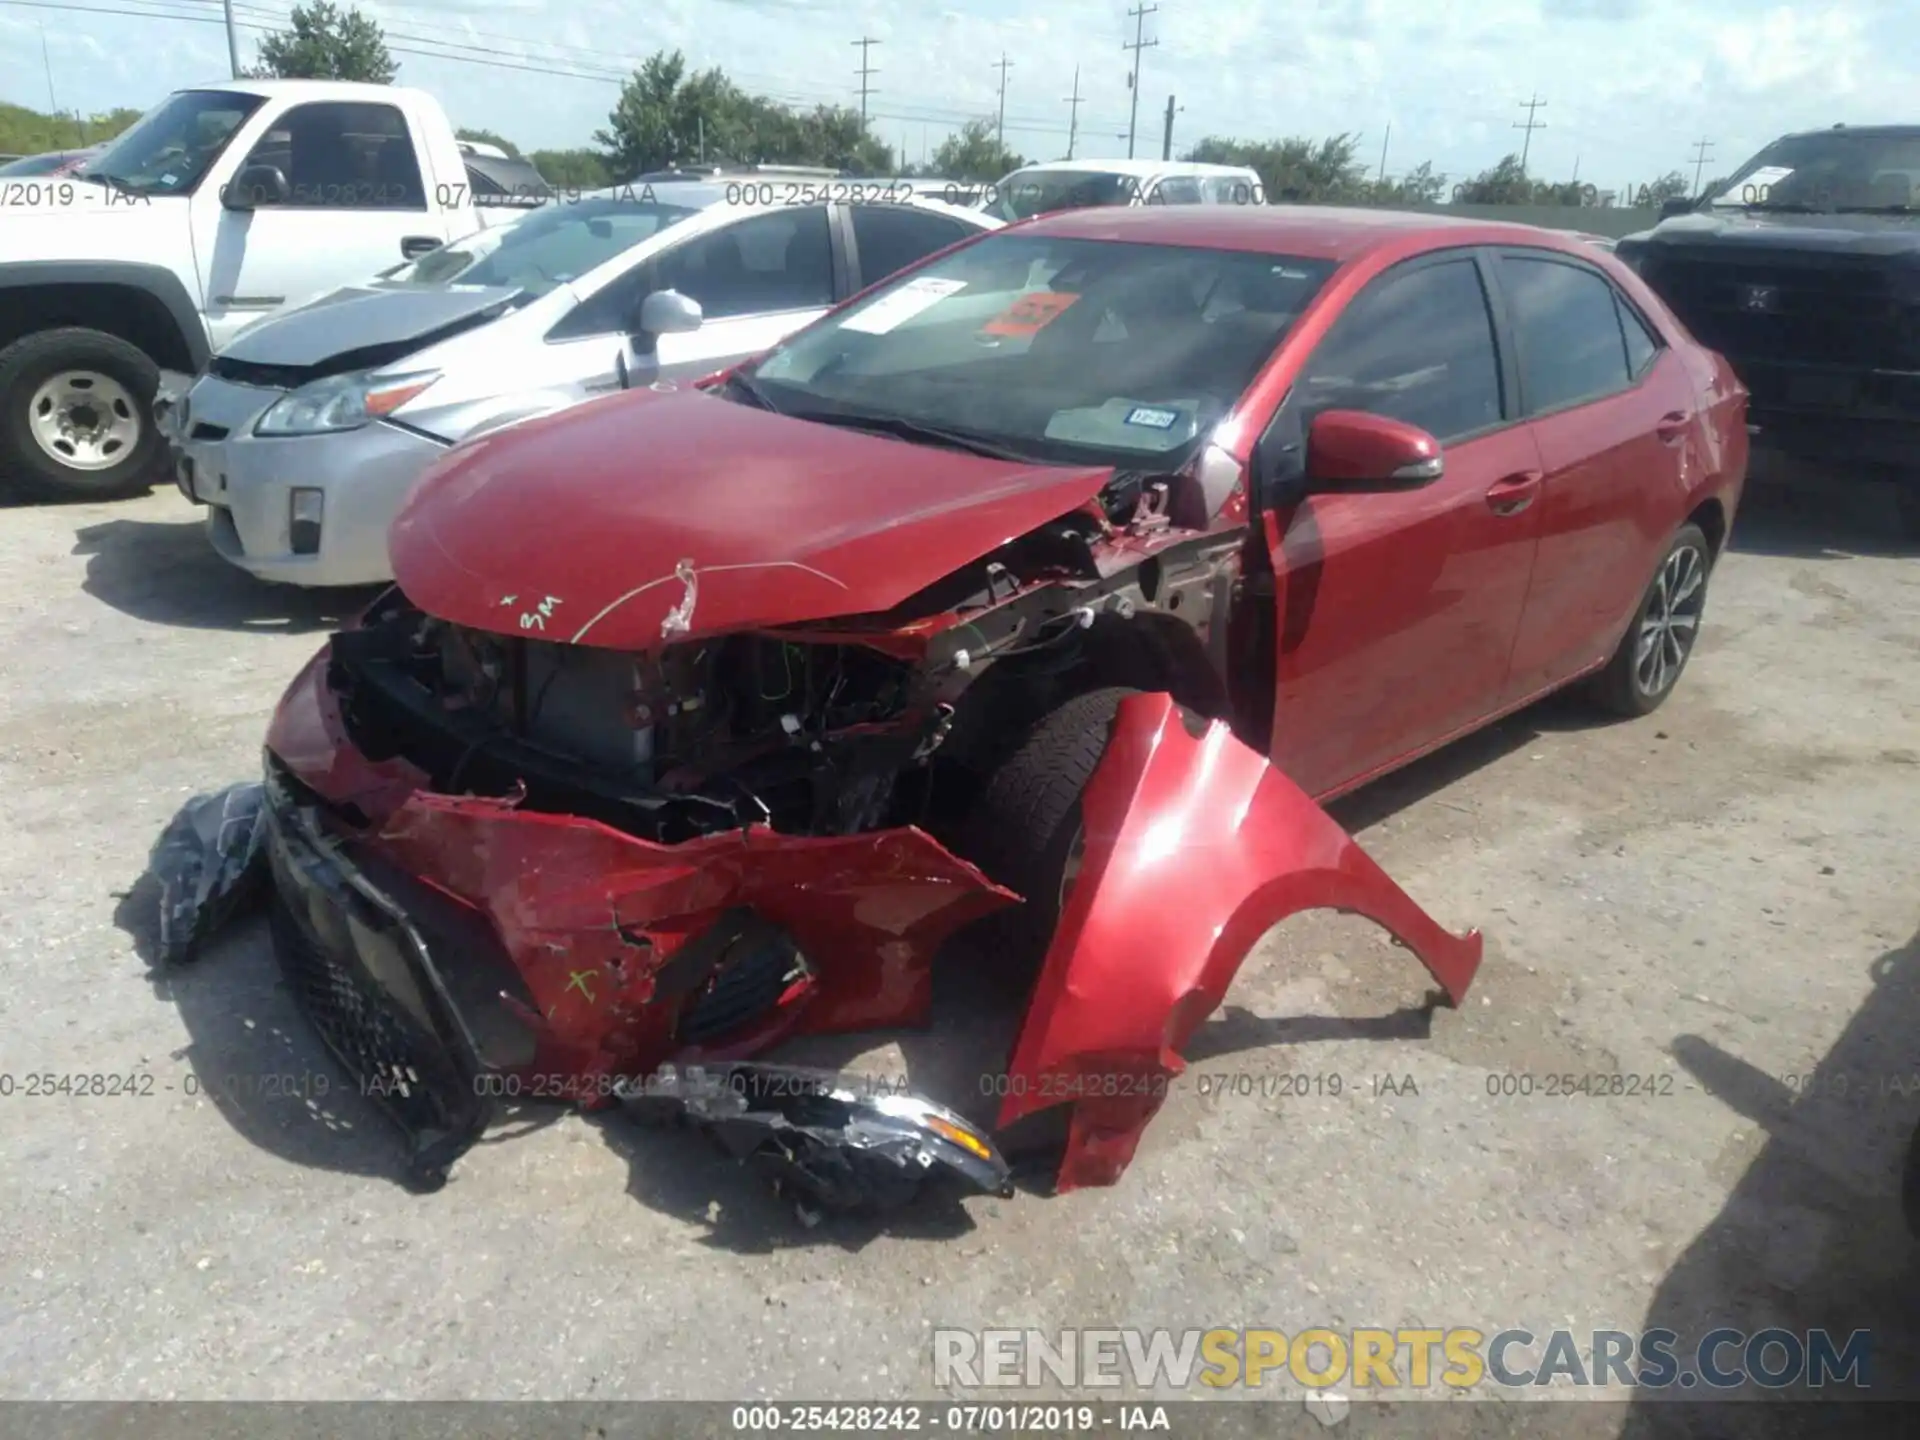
<point>1195,847</point>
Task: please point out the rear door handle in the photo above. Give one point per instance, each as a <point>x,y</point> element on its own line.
<point>414,246</point>
<point>1515,493</point>
<point>1673,426</point>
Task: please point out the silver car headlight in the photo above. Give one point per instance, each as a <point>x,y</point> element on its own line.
<point>342,402</point>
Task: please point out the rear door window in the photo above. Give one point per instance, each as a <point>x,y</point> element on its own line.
<point>1567,326</point>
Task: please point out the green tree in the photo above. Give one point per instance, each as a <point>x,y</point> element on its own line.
<point>1419,186</point>
<point>29,132</point>
<point>1504,184</point>
<point>974,153</point>
<point>327,43</point>
<point>665,116</point>
<point>1670,186</point>
<point>572,169</point>
<point>488,137</point>
<point>1295,170</point>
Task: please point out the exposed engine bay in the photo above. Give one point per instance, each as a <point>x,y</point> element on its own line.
<point>807,732</point>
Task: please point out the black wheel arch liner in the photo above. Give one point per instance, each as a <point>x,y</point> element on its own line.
<point>156,280</point>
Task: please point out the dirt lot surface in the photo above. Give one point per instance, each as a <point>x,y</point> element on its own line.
<point>1720,899</point>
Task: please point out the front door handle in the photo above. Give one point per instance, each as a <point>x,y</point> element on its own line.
<point>414,246</point>
<point>1515,493</point>
<point>1672,428</point>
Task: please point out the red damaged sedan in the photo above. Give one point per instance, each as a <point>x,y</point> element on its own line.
<point>1046,587</point>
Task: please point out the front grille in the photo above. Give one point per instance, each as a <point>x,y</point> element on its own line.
<point>353,970</point>
<point>389,1062</point>
<point>1818,309</point>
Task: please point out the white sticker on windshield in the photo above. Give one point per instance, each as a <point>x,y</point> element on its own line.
<point>1152,418</point>
<point>1767,175</point>
<point>896,308</point>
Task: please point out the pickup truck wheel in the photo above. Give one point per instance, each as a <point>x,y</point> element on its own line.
<point>76,416</point>
<point>1659,642</point>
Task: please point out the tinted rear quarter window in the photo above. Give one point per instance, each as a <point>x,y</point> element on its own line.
<point>1568,324</point>
<point>892,237</point>
<point>1642,344</point>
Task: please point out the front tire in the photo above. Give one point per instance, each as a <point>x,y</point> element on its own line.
<point>1660,640</point>
<point>1025,829</point>
<point>76,416</point>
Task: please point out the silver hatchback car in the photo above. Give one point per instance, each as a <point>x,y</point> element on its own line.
<point>304,435</point>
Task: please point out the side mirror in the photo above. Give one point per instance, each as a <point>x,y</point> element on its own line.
<point>1671,208</point>
<point>1354,450</point>
<point>255,186</point>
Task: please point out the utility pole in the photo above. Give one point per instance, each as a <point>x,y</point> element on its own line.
<point>1166,139</point>
<point>1000,125</point>
<point>233,41</point>
<point>1139,17</point>
<point>1383,154</point>
<point>1700,158</point>
<point>1530,125</point>
<point>1073,113</point>
<point>863,72</point>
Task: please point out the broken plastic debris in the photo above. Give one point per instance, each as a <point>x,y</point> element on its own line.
<point>210,862</point>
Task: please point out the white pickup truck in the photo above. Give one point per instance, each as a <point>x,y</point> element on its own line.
<point>218,206</point>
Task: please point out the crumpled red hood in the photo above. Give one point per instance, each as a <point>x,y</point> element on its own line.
<point>649,517</point>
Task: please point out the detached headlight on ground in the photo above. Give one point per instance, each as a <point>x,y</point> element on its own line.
<point>342,402</point>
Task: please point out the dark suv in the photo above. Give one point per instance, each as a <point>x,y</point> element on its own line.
<point>1803,270</point>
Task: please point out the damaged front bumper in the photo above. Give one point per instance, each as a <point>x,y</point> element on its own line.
<point>441,944</point>
<point>418,1000</point>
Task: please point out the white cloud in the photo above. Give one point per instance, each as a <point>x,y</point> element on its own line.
<point>1629,84</point>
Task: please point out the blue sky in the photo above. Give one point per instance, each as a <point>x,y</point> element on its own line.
<point>1630,85</point>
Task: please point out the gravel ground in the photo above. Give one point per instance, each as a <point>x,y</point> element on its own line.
<point>1720,897</point>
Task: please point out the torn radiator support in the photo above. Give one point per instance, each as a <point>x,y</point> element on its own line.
<point>1178,809</point>
<point>827,1141</point>
<point>210,865</point>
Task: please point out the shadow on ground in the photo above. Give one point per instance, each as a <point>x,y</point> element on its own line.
<point>167,572</point>
<point>1811,1237</point>
<point>1798,511</point>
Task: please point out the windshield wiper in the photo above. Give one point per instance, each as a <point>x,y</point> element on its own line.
<point>749,387</point>
<point>903,429</point>
<point>1876,209</point>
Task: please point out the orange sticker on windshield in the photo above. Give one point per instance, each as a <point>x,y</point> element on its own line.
<point>1030,314</point>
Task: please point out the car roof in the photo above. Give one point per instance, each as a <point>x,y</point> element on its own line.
<point>1872,132</point>
<point>342,89</point>
<point>1316,232</point>
<point>1137,168</point>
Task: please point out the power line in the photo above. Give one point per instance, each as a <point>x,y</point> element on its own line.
<point>1139,18</point>
<point>1700,158</point>
<point>865,70</point>
<point>1073,112</point>
<point>1531,125</point>
<point>1000,125</point>
<point>613,69</point>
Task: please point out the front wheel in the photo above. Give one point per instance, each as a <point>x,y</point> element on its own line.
<point>1659,642</point>
<point>76,416</point>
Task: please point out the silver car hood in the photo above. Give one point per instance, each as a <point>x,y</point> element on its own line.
<point>356,319</point>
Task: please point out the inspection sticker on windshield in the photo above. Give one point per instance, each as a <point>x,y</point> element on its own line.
<point>1030,314</point>
<point>899,306</point>
<point>1153,419</point>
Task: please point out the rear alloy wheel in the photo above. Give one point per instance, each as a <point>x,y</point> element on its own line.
<point>76,418</point>
<point>1659,642</point>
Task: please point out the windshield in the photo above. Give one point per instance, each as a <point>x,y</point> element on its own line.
<point>1034,192</point>
<point>170,147</point>
<point>1060,350</point>
<point>550,247</point>
<point>1835,170</point>
<point>54,164</point>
